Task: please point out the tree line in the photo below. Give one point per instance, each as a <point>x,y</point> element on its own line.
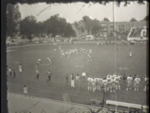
<point>29,27</point>
<point>54,26</point>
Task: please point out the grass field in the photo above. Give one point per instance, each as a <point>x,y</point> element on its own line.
<point>103,62</point>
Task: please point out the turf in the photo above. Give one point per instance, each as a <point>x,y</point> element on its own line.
<point>103,62</point>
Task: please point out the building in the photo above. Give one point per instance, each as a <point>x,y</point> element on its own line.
<point>107,28</point>
<point>121,27</point>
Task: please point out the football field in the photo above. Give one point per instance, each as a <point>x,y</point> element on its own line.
<point>105,59</point>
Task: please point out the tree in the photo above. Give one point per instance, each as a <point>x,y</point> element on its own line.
<point>106,20</point>
<point>28,27</point>
<point>91,25</point>
<point>40,29</point>
<point>13,19</point>
<point>146,18</point>
<point>96,28</point>
<point>133,20</point>
<point>88,23</point>
<point>56,25</point>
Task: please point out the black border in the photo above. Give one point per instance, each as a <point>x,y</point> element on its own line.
<point>3,35</point>
<point>3,58</point>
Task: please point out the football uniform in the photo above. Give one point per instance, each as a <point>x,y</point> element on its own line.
<point>137,83</point>
<point>89,80</point>
<point>20,68</point>
<point>100,83</point>
<point>105,84</point>
<point>94,84</point>
<point>146,88</point>
<point>129,82</point>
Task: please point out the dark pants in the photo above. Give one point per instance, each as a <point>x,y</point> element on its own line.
<point>37,76</point>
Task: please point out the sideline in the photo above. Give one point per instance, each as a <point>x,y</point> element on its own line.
<point>53,100</point>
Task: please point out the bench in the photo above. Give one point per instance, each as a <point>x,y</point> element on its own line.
<point>123,104</point>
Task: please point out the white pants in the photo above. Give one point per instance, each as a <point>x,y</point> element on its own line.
<point>72,83</point>
<point>20,70</point>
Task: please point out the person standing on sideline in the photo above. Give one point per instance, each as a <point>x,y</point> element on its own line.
<point>10,71</point>
<point>129,82</point>
<point>136,82</point>
<point>49,75</point>
<point>72,81</point>
<point>146,87</point>
<point>77,77</point>
<point>25,90</point>
<point>37,73</point>
<point>20,68</point>
<point>67,80</point>
<point>130,54</point>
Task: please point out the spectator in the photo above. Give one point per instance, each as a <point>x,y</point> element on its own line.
<point>72,81</point>
<point>37,74</point>
<point>20,68</point>
<point>25,90</point>
<point>67,79</point>
<point>10,71</point>
<point>49,75</point>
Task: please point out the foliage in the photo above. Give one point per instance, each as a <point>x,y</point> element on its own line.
<point>91,26</point>
<point>56,25</point>
<point>104,2</point>
<point>28,27</point>
<point>106,20</point>
<point>13,19</point>
<point>133,20</point>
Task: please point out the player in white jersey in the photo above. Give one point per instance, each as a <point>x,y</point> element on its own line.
<point>77,77</point>
<point>39,61</point>
<point>99,82</point>
<point>118,78</point>
<point>94,84</point>
<point>113,85</point>
<point>146,87</point>
<point>136,83</point>
<point>20,68</point>
<point>129,83</point>
<point>114,76</point>
<point>49,60</point>
<point>25,90</point>
<point>109,84</point>
<point>89,58</point>
<point>10,71</point>
<point>37,73</point>
<point>89,80</point>
<point>72,81</point>
<point>62,53</point>
<point>105,84</point>
<point>130,54</point>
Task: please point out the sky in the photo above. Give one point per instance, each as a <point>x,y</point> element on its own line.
<point>75,11</point>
